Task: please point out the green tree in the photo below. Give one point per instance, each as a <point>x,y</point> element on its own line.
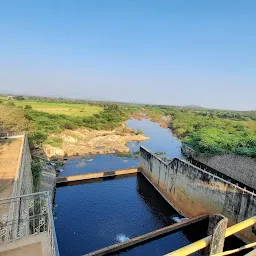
<point>19,97</point>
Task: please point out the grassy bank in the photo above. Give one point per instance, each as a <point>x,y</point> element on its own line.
<point>40,124</point>
<point>207,131</point>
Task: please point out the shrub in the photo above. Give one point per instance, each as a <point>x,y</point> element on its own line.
<point>68,125</point>
<point>19,97</point>
<point>28,107</point>
<point>14,119</point>
<point>36,168</point>
<point>10,104</point>
<point>54,141</point>
<point>110,118</point>
<point>139,132</point>
<point>37,138</point>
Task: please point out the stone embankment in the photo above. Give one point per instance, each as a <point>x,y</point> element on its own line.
<point>85,141</point>
<point>240,168</point>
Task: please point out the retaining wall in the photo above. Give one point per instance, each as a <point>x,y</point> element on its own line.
<point>193,191</point>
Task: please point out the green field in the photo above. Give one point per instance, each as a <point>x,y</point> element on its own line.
<point>69,109</point>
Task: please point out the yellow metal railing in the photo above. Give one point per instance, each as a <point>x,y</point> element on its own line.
<point>201,244</point>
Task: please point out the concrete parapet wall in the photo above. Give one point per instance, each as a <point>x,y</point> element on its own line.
<point>23,183</point>
<point>193,191</point>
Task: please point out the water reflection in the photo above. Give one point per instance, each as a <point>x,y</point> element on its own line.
<point>159,208</point>
<point>161,139</point>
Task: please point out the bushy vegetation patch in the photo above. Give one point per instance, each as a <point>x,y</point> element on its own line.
<point>213,135</point>
<point>111,117</point>
<point>36,168</point>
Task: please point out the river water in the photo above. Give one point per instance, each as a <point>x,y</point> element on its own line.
<point>90,216</point>
<point>161,140</point>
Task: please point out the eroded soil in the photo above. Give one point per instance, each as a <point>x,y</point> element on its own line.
<point>85,141</point>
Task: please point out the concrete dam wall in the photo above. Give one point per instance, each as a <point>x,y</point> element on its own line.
<point>193,191</point>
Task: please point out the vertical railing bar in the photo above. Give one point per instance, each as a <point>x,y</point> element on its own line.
<point>33,215</point>
<point>28,212</point>
<point>53,231</point>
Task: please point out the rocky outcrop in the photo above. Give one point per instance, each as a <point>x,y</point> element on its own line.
<point>85,141</point>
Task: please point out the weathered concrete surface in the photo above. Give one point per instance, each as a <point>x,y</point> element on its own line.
<point>147,236</point>
<point>217,229</point>
<point>96,175</point>
<point>241,168</point>
<point>30,246</point>
<point>194,192</point>
<point>48,179</point>
<point>10,151</point>
<point>24,180</point>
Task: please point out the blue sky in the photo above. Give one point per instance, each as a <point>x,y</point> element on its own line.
<point>163,52</point>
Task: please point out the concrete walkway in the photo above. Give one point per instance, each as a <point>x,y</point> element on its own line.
<point>9,162</point>
<point>36,245</point>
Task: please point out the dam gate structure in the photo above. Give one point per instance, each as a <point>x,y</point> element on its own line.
<point>193,191</point>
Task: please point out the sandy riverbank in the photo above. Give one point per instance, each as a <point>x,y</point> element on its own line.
<point>85,141</point>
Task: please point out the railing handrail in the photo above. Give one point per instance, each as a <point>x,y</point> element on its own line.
<point>11,134</point>
<point>31,214</point>
<point>57,253</point>
<point>21,196</point>
<point>202,243</point>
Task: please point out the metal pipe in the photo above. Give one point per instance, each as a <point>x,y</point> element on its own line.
<point>191,248</point>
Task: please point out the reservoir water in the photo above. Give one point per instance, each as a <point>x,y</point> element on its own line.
<point>95,215</point>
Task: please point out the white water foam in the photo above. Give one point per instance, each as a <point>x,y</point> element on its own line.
<point>178,219</point>
<point>122,238</point>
